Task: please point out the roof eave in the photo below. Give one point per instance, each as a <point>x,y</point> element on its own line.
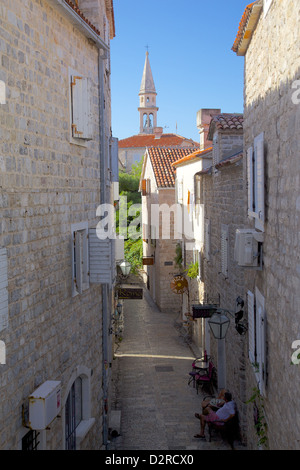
<point>240,47</point>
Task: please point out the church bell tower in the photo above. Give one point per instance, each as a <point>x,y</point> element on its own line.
<point>147,109</point>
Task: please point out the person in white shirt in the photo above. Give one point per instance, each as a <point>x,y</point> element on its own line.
<point>226,412</point>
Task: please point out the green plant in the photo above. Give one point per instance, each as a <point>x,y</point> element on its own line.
<point>259,417</point>
<point>193,270</point>
<point>178,258</point>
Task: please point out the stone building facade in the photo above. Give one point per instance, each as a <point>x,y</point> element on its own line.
<point>55,150</point>
<point>267,38</point>
<point>160,229</point>
<point>221,283</point>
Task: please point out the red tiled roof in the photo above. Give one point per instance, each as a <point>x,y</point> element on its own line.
<point>161,159</point>
<point>226,121</point>
<point>149,140</point>
<point>245,29</point>
<point>191,156</point>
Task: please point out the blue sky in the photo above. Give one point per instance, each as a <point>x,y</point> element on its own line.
<point>191,59</point>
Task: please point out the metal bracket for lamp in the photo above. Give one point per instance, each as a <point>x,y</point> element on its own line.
<point>219,322</point>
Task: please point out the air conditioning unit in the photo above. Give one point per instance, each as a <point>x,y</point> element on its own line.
<point>246,248</point>
<point>44,404</point>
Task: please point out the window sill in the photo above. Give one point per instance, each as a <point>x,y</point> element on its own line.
<point>83,428</point>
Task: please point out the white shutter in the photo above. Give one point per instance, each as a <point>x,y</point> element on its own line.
<point>224,250</point>
<point>180,192</point>
<point>3,289</point>
<point>207,239</point>
<point>119,249</point>
<point>260,181</point>
<point>261,339</point>
<point>80,107</point>
<point>251,326</point>
<point>250,176</point>
<point>100,259</point>
<point>78,279</point>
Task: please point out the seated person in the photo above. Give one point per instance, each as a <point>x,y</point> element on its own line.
<point>212,403</point>
<point>223,414</point>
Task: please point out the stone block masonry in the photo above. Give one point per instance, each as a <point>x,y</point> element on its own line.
<point>47,183</point>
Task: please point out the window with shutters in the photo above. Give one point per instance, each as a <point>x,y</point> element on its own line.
<point>80,258</point>
<point>224,250</point>
<point>81,122</point>
<point>256,182</point>
<point>3,290</point>
<point>257,336</point>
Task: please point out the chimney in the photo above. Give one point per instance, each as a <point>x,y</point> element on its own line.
<point>204,116</point>
<point>158,131</point>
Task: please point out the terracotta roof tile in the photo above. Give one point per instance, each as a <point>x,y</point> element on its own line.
<point>244,24</point>
<point>149,140</point>
<point>225,122</point>
<point>192,156</point>
<point>161,159</point>
<point>79,12</point>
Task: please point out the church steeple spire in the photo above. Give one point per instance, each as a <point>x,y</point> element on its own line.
<point>147,94</point>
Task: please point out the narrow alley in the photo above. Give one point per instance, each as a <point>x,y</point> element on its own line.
<point>150,379</point>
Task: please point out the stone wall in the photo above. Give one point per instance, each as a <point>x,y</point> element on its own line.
<point>47,183</point>
<point>223,199</point>
<point>272,66</point>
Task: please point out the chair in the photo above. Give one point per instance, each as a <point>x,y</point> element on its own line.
<point>229,430</point>
<point>206,379</point>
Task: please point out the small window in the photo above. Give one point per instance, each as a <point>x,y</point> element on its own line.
<point>73,413</point>
<point>80,264</point>
<point>31,440</point>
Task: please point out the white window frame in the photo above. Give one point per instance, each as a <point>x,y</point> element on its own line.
<point>224,249</point>
<point>257,337</point>
<point>80,258</point>
<point>80,108</point>
<point>255,181</point>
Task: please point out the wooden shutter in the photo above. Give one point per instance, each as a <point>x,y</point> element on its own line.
<point>144,187</point>
<point>224,250</point>
<point>100,259</point>
<point>259,182</point>
<point>251,326</point>
<point>3,289</point>
<point>81,118</point>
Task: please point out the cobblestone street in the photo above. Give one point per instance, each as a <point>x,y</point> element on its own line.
<point>150,379</point>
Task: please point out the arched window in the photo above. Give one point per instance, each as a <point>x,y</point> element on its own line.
<point>73,413</point>
<point>77,409</point>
